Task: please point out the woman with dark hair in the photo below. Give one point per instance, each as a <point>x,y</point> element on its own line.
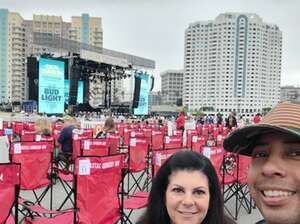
<point>185,190</point>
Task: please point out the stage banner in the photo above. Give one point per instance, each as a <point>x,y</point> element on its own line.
<point>79,91</point>
<point>51,86</point>
<point>143,107</point>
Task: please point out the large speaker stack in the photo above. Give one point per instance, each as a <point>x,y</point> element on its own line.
<point>136,94</point>
<point>74,75</point>
<point>33,78</point>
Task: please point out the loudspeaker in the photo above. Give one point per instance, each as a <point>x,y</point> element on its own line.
<point>152,83</point>
<point>33,78</point>
<point>136,94</point>
<point>73,84</point>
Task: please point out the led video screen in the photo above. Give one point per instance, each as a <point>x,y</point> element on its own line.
<point>51,86</point>
<point>143,107</point>
<point>79,91</point>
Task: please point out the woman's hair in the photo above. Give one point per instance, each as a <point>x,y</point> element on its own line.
<point>109,125</point>
<point>156,212</point>
<point>43,126</point>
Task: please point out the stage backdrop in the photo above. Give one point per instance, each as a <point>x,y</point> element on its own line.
<point>143,105</point>
<point>79,91</point>
<point>51,86</point>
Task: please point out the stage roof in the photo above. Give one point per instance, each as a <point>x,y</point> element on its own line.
<point>90,52</point>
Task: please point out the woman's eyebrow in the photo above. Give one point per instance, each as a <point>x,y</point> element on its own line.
<point>296,141</point>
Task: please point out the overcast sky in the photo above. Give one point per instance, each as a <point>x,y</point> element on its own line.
<point>155,28</point>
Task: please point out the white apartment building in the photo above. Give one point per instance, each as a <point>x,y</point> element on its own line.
<point>86,29</point>
<point>232,63</point>
<point>171,86</point>
<point>12,57</point>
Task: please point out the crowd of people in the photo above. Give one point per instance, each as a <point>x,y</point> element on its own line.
<point>186,188</point>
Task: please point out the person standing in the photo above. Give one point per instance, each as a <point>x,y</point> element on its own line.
<point>180,121</point>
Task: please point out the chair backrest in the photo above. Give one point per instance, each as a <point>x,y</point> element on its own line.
<point>198,143</point>
<point>94,147</point>
<point>159,157</point>
<point>76,144</point>
<point>177,132</point>
<point>157,140</point>
<point>173,142</point>
<point>224,163</point>
<point>29,126</point>
<point>190,134</point>
<point>138,152</point>
<point>114,143</point>
<point>17,127</point>
<point>35,159</point>
<point>97,186</point>
<point>127,134</point>
<point>9,185</point>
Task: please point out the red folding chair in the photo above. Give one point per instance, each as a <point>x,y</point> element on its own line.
<point>97,186</point>
<point>36,162</point>
<point>159,157</point>
<point>198,143</point>
<point>173,142</point>
<point>94,147</point>
<point>238,190</point>
<point>127,135</point>
<point>9,192</point>
<point>177,133</point>
<point>157,141</point>
<point>190,135</point>
<point>114,143</point>
<point>136,195</point>
<point>17,127</point>
<point>29,126</point>
<point>41,215</point>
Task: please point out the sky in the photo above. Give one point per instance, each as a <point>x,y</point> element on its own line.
<point>154,29</point>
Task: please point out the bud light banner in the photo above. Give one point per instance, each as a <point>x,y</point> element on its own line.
<point>142,108</point>
<point>51,86</point>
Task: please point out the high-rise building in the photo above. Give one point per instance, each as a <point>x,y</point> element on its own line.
<point>171,86</point>
<point>54,26</point>
<point>290,93</point>
<point>12,57</point>
<point>155,98</point>
<point>86,29</point>
<point>232,63</point>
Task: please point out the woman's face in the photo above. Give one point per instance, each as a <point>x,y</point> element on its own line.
<point>187,197</point>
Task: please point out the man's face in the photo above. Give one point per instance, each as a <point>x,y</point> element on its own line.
<point>274,178</point>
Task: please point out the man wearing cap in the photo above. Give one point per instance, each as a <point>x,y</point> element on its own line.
<point>274,174</point>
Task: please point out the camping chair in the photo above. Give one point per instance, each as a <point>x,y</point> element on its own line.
<point>9,192</point>
<point>136,195</point>
<point>94,147</point>
<point>37,214</point>
<point>159,157</point>
<point>157,140</point>
<point>97,181</point>
<point>114,143</point>
<point>173,142</point>
<point>36,162</point>
<point>190,135</point>
<point>198,143</point>
<point>238,190</point>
